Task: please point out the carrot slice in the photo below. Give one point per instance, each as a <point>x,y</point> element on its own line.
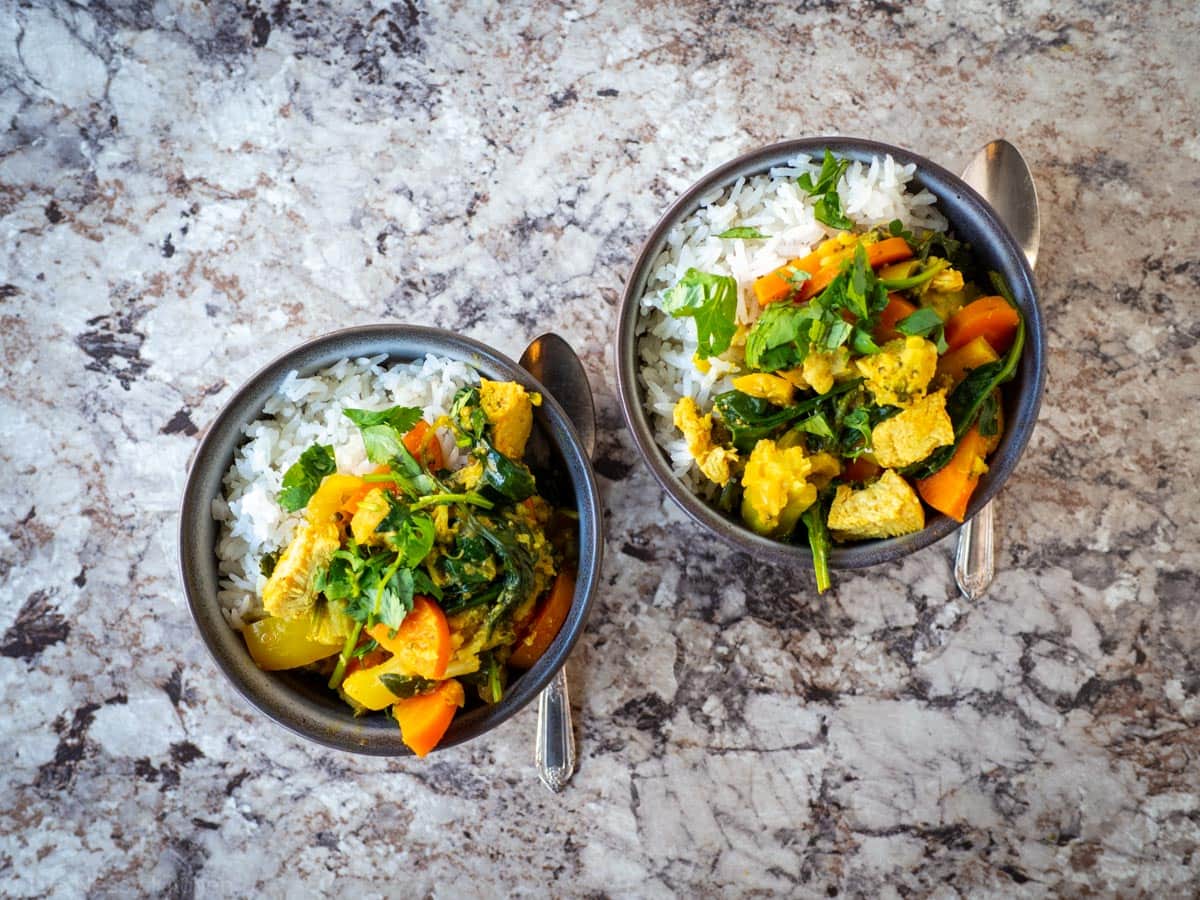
<point>949,489</point>
<point>424,719</point>
<point>422,443</point>
<point>881,253</point>
<point>422,642</point>
<point>777,285</point>
<point>989,317</point>
<point>897,309</point>
<point>546,622</point>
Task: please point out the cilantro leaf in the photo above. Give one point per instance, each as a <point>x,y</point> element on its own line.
<point>832,169</point>
<point>397,599</point>
<point>921,323</point>
<point>828,208</point>
<point>414,540</point>
<point>304,476</point>
<point>383,430</point>
<point>744,232</point>
<point>712,301</point>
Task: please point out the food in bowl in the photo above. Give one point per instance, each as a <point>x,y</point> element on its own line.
<point>382,529</point>
<point>821,358</point>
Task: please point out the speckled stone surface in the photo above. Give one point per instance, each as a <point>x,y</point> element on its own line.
<point>187,189</point>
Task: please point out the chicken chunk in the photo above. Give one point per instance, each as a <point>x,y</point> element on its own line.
<point>715,462</point>
<point>820,370</point>
<point>290,592</point>
<point>777,488</point>
<point>766,387</point>
<point>911,435</point>
<point>887,508</point>
<point>901,372</point>
<point>509,407</point>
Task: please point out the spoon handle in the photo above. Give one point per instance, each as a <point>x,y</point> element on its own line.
<point>975,562</point>
<point>554,754</point>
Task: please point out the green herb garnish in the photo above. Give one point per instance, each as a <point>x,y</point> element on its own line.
<point>746,233</point>
<point>304,476</point>
<point>828,208</point>
<point>711,300</point>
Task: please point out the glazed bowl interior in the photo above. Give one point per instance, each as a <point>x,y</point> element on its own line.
<point>971,219</point>
<point>297,700</point>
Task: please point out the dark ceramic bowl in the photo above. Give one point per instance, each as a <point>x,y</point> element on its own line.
<point>293,699</point>
<point>973,220</point>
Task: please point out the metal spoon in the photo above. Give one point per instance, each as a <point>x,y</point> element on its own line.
<point>1000,174</point>
<point>551,361</point>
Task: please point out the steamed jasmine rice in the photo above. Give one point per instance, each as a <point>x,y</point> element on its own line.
<point>306,411</point>
<point>774,204</point>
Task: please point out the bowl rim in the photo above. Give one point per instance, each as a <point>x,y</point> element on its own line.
<point>947,187</point>
<point>271,693</point>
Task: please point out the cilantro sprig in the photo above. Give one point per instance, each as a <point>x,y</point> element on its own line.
<point>710,300</point>
<point>785,334</point>
<point>828,208</point>
<point>303,477</point>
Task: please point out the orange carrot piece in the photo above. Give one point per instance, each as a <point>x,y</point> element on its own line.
<point>881,253</point>
<point>422,641</point>
<point>546,622</point>
<point>897,309</point>
<point>423,444</point>
<point>775,286</point>
<point>424,719</point>
<point>989,317</point>
<point>949,489</point>
<point>886,252</point>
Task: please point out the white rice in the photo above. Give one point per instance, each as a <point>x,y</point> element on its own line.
<point>303,412</point>
<point>773,203</point>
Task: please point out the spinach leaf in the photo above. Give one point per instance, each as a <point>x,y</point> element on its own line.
<point>406,686</point>
<point>383,430</point>
<point>814,519</point>
<point>828,208</point>
<point>511,542</point>
<point>304,476</point>
<point>508,478</point>
<point>746,234</point>
<point>989,416</point>
<point>750,419</point>
<point>711,300</point>
<point>423,584</point>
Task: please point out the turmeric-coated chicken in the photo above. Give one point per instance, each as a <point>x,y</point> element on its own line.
<point>913,433</point>
<point>886,508</point>
<point>715,461</point>
<point>901,372</point>
<point>509,408</point>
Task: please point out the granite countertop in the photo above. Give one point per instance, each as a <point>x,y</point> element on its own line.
<point>188,189</point>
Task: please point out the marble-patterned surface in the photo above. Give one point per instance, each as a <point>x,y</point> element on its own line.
<point>188,188</point>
